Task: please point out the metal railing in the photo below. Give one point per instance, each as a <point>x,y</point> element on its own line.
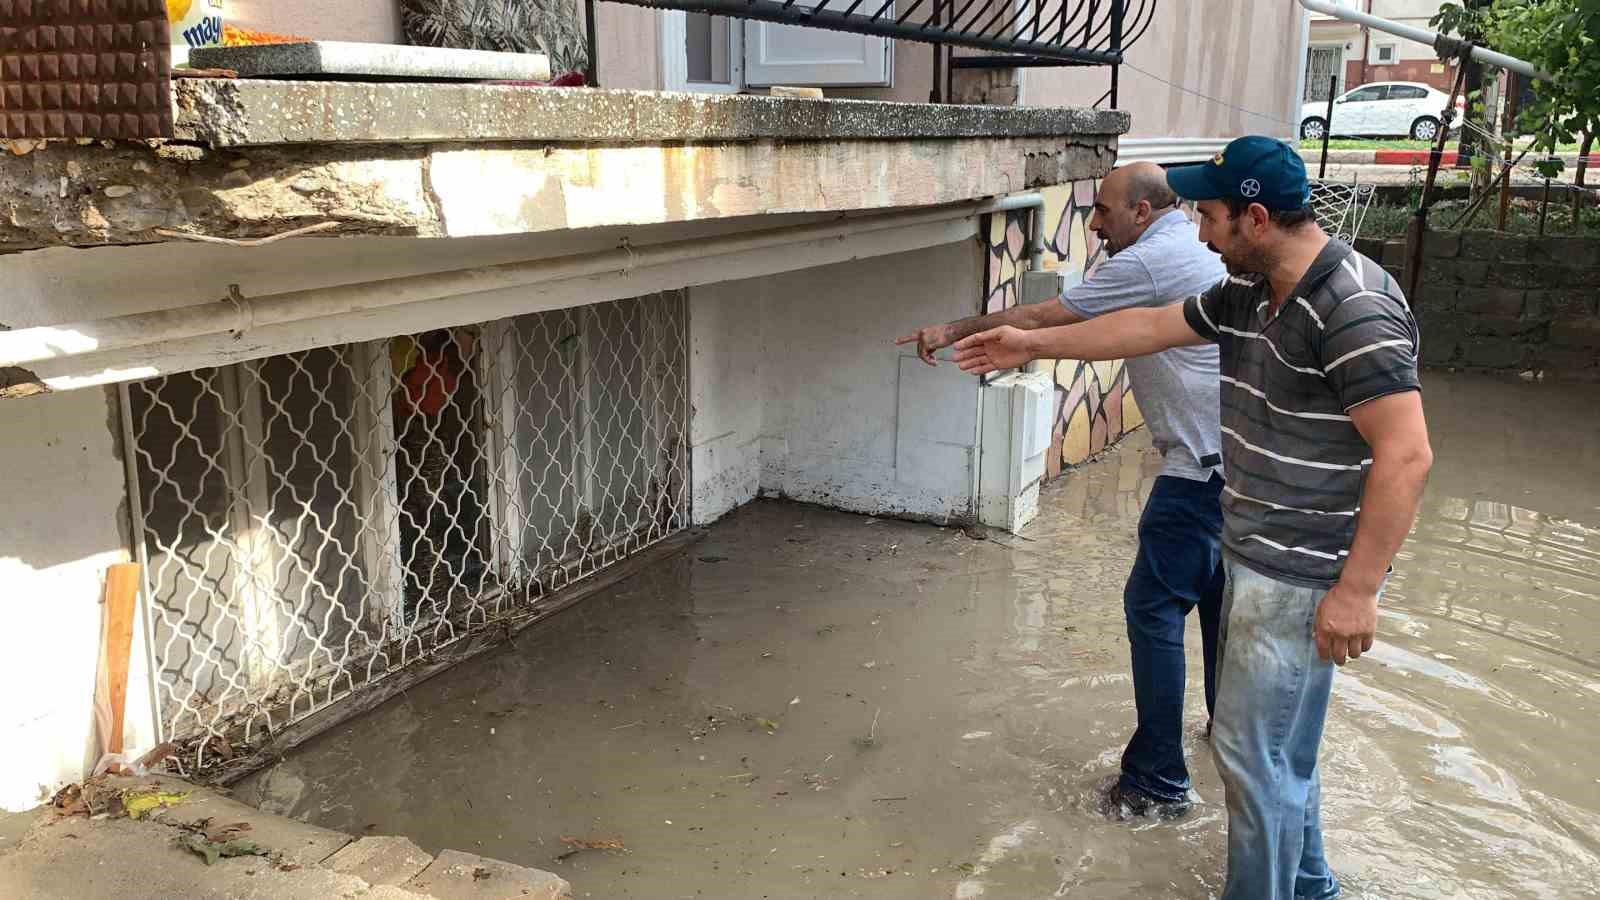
<point>1341,208</point>
<point>316,521</point>
<point>1056,32</point>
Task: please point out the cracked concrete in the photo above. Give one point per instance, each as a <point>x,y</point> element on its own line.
<point>56,856</point>
<point>68,195</point>
<point>428,160</point>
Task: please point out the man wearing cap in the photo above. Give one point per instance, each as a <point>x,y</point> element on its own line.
<point>1155,260</point>
<point>1326,451</point>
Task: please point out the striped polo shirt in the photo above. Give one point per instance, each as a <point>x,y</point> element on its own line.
<point>1294,462</point>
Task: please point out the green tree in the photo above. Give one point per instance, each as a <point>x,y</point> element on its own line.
<point>1562,37</point>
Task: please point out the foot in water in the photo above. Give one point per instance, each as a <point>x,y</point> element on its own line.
<point>1120,804</point>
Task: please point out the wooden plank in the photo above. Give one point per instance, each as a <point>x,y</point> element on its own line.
<point>499,633</point>
<point>122,590</point>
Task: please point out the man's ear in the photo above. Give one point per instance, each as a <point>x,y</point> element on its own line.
<point>1259,217</point>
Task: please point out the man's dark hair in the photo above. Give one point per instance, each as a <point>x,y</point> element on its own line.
<point>1287,219</point>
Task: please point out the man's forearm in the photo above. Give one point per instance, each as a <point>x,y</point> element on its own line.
<point>1120,335</point>
<point>1389,504</point>
<point>1025,316</point>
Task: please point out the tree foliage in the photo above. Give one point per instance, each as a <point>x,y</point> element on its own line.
<point>1560,37</point>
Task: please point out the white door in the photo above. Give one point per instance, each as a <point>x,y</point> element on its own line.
<point>815,57</point>
<point>1357,110</point>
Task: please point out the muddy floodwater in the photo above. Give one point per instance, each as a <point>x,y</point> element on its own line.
<point>812,704</point>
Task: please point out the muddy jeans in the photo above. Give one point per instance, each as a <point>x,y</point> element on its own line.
<point>1272,698</point>
<point>1179,568</point>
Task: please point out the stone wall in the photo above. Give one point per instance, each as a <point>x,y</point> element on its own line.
<point>1511,303</point>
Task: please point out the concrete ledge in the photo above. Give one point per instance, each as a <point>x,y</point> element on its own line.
<point>238,113</point>
<point>69,195</point>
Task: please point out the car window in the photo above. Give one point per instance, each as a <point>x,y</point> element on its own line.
<point>1370,92</point>
<point>1407,92</point>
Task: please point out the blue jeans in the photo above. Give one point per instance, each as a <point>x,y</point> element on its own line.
<point>1272,698</point>
<point>1179,568</point>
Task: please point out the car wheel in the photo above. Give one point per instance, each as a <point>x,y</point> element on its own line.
<point>1425,129</point>
<point>1312,129</point>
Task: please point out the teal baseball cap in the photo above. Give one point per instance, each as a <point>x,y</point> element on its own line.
<point>1256,169</point>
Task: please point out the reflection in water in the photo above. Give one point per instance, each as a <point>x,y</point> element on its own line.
<point>960,701</point>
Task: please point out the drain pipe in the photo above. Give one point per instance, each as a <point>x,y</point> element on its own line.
<point>1444,45</point>
<point>240,314</point>
<point>1033,201</point>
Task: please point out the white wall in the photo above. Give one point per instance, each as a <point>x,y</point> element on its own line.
<point>796,390</point>
<point>342,20</point>
<point>1244,52</point>
<point>813,412</point>
<point>62,528</point>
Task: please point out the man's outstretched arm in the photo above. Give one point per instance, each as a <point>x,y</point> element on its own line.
<point>932,338</point>
<point>1120,335</point>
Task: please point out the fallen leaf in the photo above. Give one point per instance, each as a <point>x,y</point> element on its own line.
<point>211,851</point>
<point>138,804</point>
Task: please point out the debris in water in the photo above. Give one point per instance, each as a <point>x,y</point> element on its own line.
<point>594,843</point>
<point>795,702</point>
<point>770,726</point>
<point>211,851</point>
<point>870,739</point>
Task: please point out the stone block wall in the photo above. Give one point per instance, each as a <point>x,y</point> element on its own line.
<point>1512,303</point>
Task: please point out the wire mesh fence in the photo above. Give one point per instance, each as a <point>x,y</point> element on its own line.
<point>316,521</point>
<point>1341,208</point>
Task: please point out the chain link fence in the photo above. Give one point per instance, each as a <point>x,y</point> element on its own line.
<point>316,521</point>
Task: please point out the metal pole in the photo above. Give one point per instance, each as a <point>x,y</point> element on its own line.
<point>1544,208</point>
<point>1419,224</point>
<point>1118,8</point>
<point>1445,45</point>
<point>592,75</point>
<point>1327,125</point>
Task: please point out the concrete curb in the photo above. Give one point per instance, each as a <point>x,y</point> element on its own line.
<point>1408,158</point>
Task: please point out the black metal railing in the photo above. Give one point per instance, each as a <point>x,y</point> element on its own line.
<point>1028,32</point>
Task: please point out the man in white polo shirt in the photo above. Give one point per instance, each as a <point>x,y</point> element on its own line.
<point>1156,259</point>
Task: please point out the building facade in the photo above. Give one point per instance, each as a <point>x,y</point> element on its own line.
<point>367,374</point>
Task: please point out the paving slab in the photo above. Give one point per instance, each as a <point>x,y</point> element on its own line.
<point>465,876</point>
<point>381,860</point>
<point>120,859</point>
<point>302,843</point>
<point>350,59</point>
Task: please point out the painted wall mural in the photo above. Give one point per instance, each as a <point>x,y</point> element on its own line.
<point>1095,405</point>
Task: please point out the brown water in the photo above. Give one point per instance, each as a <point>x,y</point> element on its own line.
<point>811,704</point>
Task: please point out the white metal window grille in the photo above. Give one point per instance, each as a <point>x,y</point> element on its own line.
<point>1341,209</point>
<point>316,521</point>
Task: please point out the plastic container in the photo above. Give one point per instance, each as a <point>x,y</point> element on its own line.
<point>195,23</point>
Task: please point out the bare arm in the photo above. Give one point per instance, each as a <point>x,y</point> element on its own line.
<point>1395,428</point>
<point>1027,318</point>
<point>1119,335</point>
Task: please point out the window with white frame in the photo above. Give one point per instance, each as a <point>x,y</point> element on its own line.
<point>1387,54</point>
<point>702,52</point>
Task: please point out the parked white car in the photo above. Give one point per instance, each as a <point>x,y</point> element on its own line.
<point>1384,109</point>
